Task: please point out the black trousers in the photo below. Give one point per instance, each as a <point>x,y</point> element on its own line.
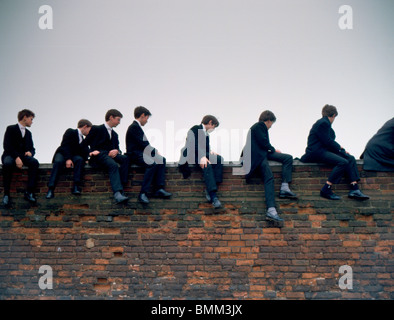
<point>344,165</point>
<point>155,171</point>
<point>268,180</point>
<point>213,173</point>
<point>287,164</point>
<point>118,175</point>
<point>9,166</point>
<point>58,166</point>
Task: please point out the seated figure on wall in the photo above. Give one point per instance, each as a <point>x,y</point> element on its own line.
<point>197,151</point>
<point>323,148</point>
<point>19,151</point>
<point>72,153</point>
<point>379,151</point>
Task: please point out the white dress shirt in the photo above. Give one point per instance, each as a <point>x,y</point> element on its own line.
<point>80,135</point>
<point>109,130</point>
<point>23,129</point>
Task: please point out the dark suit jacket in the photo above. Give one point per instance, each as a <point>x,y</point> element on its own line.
<point>99,139</point>
<point>321,138</point>
<point>16,146</point>
<point>257,147</point>
<point>136,142</point>
<point>379,152</point>
<point>71,147</point>
<point>196,147</point>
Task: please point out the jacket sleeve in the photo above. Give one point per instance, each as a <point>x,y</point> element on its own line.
<point>115,142</point>
<point>135,136</point>
<point>30,145</point>
<point>327,137</point>
<point>66,144</point>
<point>260,136</point>
<point>8,144</point>
<point>196,142</point>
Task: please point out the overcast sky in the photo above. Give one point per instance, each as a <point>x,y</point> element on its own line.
<point>183,59</point>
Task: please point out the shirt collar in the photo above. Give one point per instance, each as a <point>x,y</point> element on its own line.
<point>80,135</point>
<point>21,127</point>
<point>107,126</point>
<point>205,130</point>
<point>138,123</point>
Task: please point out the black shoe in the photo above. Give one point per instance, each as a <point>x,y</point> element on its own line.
<point>6,200</point>
<point>76,191</point>
<point>120,198</point>
<point>329,195</point>
<point>143,198</point>
<point>273,216</point>
<point>50,194</point>
<point>216,203</point>
<point>161,193</point>
<point>287,194</point>
<point>358,195</point>
<point>30,197</point>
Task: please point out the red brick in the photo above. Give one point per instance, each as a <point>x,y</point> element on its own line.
<point>351,243</point>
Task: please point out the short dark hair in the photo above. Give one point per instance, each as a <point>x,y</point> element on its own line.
<point>267,116</point>
<point>329,111</point>
<point>209,118</point>
<point>84,122</point>
<point>25,112</point>
<point>139,111</point>
<point>114,113</point>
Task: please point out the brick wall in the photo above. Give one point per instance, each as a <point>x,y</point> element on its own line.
<point>184,249</point>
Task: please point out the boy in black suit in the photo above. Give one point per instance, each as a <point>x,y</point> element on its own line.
<point>379,151</point>
<point>73,154</point>
<point>143,154</point>
<point>105,152</point>
<point>257,152</point>
<point>19,151</point>
<point>197,151</point>
<point>323,148</point>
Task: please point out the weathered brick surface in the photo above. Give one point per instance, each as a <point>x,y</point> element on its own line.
<point>183,249</point>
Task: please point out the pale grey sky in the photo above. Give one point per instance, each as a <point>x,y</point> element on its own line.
<point>183,59</point>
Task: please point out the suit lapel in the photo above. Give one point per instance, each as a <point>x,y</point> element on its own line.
<point>18,132</point>
<point>105,132</point>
